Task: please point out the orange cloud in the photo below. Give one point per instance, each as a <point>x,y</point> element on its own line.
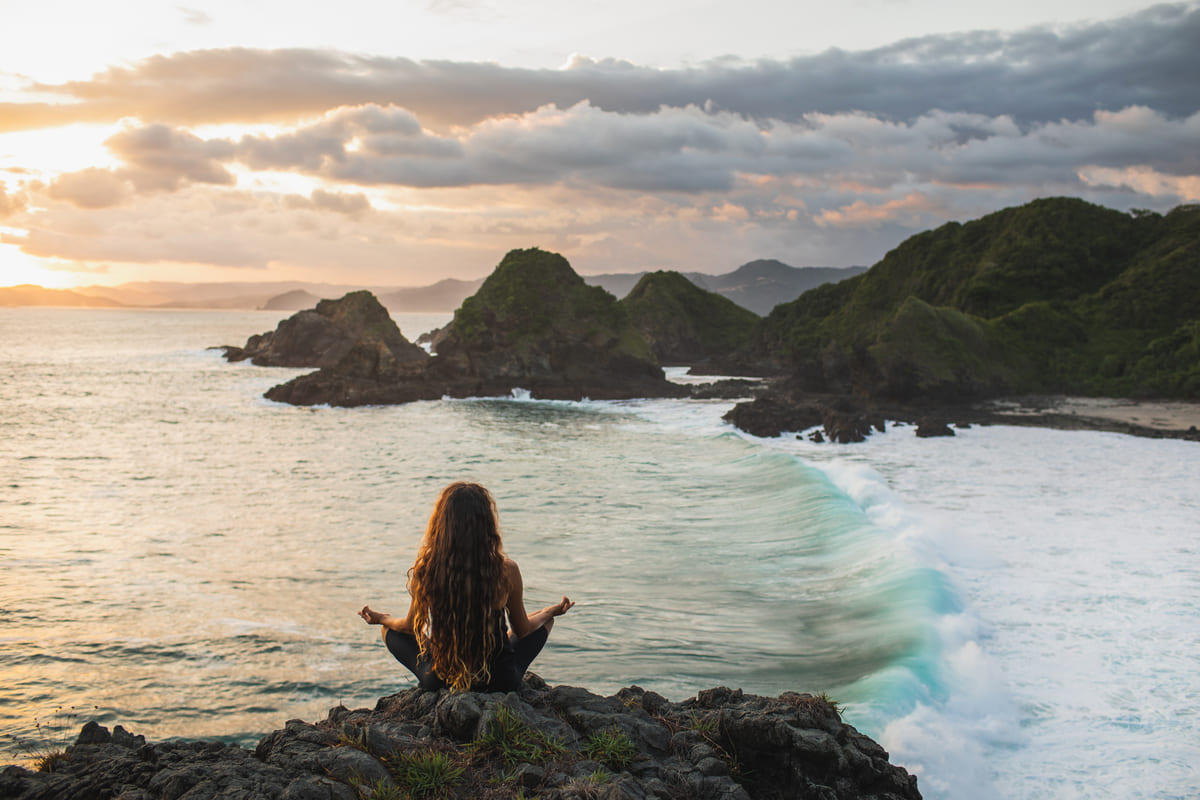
<point>90,188</point>
<point>861,214</point>
<point>1144,180</point>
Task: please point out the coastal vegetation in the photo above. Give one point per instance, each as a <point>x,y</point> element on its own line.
<point>533,325</point>
<point>685,324</point>
<point>535,317</point>
<point>1056,296</point>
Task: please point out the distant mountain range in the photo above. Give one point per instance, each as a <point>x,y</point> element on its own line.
<point>758,286</point>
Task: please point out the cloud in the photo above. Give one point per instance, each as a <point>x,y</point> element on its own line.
<point>194,16</point>
<point>10,204</point>
<point>412,166</point>
<point>352,205</point>
<point>912,210</point>
<point>685,150</point>
<point>161,158</point>
<point>1145,181</point>
<point>90,188</point>
<point>1037,75</point>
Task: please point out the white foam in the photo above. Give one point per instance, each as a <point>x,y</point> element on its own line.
<point>1078,639</point>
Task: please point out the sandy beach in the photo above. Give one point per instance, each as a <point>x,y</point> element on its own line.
<point>1104,413</point>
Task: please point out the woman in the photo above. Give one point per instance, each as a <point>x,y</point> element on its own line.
<point>462,584</point>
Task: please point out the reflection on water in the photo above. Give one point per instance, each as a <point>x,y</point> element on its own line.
<point>189,557</point>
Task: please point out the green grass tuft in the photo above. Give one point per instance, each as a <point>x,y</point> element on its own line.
<point>428,773</point>
<point>611,747</point>
<point>382,790</point>
<point>515,741</point>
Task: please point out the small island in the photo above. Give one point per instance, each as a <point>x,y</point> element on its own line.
<point>534,325</point>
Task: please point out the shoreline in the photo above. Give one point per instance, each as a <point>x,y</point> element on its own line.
<point>1153,419</point>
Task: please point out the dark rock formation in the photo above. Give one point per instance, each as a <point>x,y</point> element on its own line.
<point>845,425</point>
<point>928,428</point>
<point>727,389</point>
<point>534,324</point>
<point>771,415</point>
<point>551,742</point>
<point>537,325</point>
<point>780,407</point>
<point>685,324</point>
<point>354,335</point>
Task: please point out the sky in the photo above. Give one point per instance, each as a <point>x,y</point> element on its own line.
<point>398,143</point>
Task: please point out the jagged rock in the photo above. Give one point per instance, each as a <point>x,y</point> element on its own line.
<point>928,428</point>
<point>770,416</point>
<point>353,335</point>
<point>727,389</point>
<point>534,324</point>
<point>721,745</point>
<point>845,428</point>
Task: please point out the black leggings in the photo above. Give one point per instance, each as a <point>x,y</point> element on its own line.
<point>507,668</point>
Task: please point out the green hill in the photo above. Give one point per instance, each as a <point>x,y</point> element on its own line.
<point>1058,295</point>
<point>535,323</point>
<point>683,323</point>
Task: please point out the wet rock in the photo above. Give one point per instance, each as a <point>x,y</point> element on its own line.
<point>928,428</point>
<point>771,416</point>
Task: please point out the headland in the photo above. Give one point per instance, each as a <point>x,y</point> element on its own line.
<point>543,741</point>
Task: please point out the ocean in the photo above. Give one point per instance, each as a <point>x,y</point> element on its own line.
<point>1012,613</point>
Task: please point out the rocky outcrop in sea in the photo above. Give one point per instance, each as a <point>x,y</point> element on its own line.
<point>544,741</point>
<point>354,335</point>
<point>534,325</point>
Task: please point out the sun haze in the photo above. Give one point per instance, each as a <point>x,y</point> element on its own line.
<point>398,144</point>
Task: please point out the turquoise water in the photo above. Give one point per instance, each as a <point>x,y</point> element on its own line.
<point>189,557</point>
<point>185,558</point>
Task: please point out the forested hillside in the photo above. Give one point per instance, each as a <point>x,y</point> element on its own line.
<point>1058,295</point>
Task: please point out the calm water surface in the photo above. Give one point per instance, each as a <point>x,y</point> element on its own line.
<point>185,558</point>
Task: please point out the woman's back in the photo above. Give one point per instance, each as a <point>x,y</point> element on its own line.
<point>462,586</point>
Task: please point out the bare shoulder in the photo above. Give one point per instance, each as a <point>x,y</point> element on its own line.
<point>513,586</point>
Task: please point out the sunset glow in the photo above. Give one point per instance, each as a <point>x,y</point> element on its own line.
<point>401,145</point>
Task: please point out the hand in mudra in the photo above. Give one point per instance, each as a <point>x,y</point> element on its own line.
<point>562,606</point>
<point>371,617</point>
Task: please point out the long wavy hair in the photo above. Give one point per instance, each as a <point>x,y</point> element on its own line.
<point>456,583</point>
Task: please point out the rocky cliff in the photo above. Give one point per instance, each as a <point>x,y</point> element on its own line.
<point>342,335</point>
<point>550,742</point>
<point>534,324</point>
